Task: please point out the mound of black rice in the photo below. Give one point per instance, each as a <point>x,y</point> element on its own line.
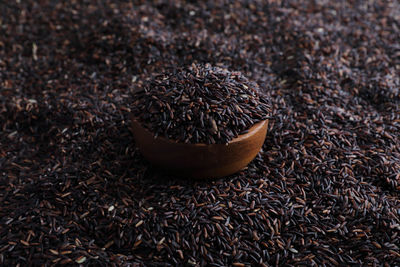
<point>200,104</point>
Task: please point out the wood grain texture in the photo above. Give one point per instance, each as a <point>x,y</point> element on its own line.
<point>200,160</point>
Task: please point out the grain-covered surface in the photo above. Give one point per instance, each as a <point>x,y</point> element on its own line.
<point>199,104</point>
<point>324,191</point>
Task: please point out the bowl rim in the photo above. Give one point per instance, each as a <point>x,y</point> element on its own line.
<point>250,132</point>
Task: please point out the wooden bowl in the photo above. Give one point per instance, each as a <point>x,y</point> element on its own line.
<point>200,160</point>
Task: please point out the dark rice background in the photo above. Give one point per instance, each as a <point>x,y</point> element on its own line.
<point>324,190</point>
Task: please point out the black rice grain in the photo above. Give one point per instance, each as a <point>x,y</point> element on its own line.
<point>199,104</point>
<point>324,190</point>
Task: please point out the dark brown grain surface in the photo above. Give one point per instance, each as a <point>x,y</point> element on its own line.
<point>199,104</point>
<point>324,191</point>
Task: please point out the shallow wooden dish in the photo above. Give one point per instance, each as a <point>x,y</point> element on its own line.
<point>200,160</point>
